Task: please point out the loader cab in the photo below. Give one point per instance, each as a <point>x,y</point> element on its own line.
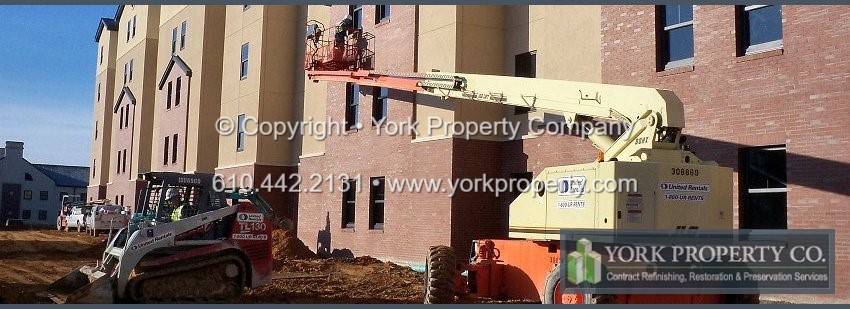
<point>195,194</point>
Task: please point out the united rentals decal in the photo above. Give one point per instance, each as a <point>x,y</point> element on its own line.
<point>151,241</point>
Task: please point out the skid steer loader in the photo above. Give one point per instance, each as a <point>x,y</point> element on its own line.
<point>185,243</point>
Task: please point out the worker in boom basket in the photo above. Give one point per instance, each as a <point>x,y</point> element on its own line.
<point>345,27</point>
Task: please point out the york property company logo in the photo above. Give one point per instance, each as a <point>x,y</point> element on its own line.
<point>584,264</point>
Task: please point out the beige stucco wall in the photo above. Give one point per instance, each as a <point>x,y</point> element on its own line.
<point>313,95</point>
<point>485,40</point>
<point>142,49</point>
<point>267,92</point>
<point>105,77</point>
<point>203,54</point>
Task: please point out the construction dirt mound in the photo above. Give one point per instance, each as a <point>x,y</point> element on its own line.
<point>288,247</point>
<point>352,280</point>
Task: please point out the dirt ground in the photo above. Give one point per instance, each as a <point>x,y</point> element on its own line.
<point>30,260</point>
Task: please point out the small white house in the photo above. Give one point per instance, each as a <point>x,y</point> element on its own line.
<point>33,192</point>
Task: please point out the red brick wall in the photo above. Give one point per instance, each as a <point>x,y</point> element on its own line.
<point>413,221</point>
<point>797,97</point>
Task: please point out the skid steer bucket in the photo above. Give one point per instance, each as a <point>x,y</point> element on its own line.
<point>84,285</point>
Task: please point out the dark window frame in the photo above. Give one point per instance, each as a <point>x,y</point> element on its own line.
<point>240,133</point>
<point>245,55</point>
<point>168,97</point>
<point>663,32</point>
<point>382,13</point>
<point>742,29</point>
<point>26,214</point>
<point>28,195</point>
<point>42,215</point>
<point>174,40</point>
<point>356,12</point>
<point>380,105</point>
<point>183,30</point>
<point>525,65</point>
<point>131,70</point>
<point>377,203</point>
<point>28,177</point>
<point>177,89</point>
<point>174,147</point>
<point>349,204</point>
<point>165,148</point>
<point>43,195</point>
<point>775,186</point>
<point>352,106</point>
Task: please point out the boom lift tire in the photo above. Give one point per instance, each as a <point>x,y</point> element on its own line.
<point>552,290</point>
<point>440,274</point>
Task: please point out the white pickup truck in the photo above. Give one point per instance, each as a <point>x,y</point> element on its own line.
<point>106,218</point>
<point>73,216</point>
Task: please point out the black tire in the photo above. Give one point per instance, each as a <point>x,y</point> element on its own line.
<point>440,274</point>
<point>550,288</point>
<point>743,299</point>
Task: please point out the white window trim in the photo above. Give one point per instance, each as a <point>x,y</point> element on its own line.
<point>761,47</point>
<point>768,190</point>
<point>679,63</point>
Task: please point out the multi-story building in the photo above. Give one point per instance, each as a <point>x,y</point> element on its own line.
<point>188,88</point>
<point>258,84</point>
<point>32,193</point>
<point>104,100</point>
<point>765,91</point>
<point>369,219</point>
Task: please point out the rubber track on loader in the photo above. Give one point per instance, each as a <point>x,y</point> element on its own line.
<point>200,280</point>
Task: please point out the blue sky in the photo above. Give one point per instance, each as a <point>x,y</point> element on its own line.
<point>47,67</point>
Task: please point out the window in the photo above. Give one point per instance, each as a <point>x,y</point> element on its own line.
<point>356,12</point>
<point>43,195</point>
<point>100,55</point>
<point>168,97</point>
<point>134,26</point>
<point>96,124</point>
<point>165,152</point>
<point>122,199</point>
<point>26,214</point>
<point>379,105</point>
<point>676,37</point>
<point>376,203</point>
<point>177,93</point>
<point>118,159</point>
<point>525,65</point>
<point>131,70</point>
<point>125,73</point>
<point>27,194</point>
<point>348,199</point>
<point>763,188</point>
<point>121,118</point>
<point>174,40</point>
<point>98,92</point>
<point>42,215</point>
<point>127,116</point>
<point>27,177</point>
<point>124,161</point>
<point>382,12</point>
<point>174,149</point>
<point>183,35</point>
<point>245,7</point>
<point>93,167</point>
<point>243,67</point>
<point>759,28</point>
<point>129,25</point>
<point>352,102</point>
<point>240,133</point>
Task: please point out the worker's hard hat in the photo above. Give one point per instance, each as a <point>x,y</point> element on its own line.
<point>348,17</point>
<point>171,194</point>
